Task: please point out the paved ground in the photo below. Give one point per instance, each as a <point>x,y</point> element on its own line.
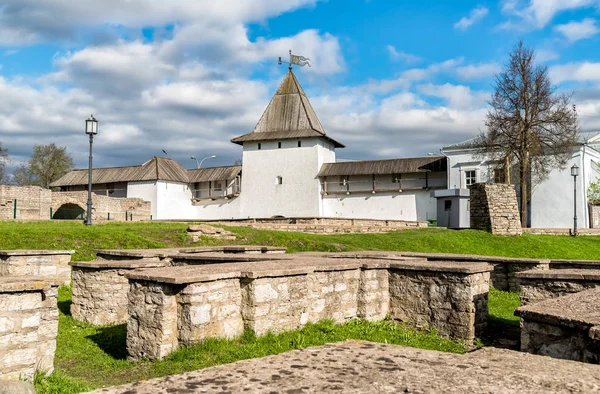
<point>365,367</point>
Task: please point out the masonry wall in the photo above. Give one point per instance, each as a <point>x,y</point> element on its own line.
<point>38,263</point>
<point>32,202</point>
<point>164,316</point>
<point>494,208</point>
<point>28,328</point>
<point>135,209</point>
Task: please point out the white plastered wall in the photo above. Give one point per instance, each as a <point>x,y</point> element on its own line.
<point>298,195</point>
<point>146,191</point>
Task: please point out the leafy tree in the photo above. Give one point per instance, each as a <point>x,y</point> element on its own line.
<point>528,122</point>
<point>47,164</point>
<point>3,160</point>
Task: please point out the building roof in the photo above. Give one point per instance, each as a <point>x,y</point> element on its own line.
<point>582,138</point>
<point>381,167</point>
<point>157,168</point>
<point>214,174</point>
<point>289,115</point>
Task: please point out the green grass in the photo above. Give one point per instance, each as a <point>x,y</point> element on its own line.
<point>89,357</point>
<point>502,306</point>
<point>84,239</point>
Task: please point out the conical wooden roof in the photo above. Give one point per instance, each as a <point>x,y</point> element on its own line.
<point>289,115</point>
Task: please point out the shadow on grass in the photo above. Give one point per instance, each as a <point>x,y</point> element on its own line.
<point>65,307</point>
<point>503,333</point>
<point>112,340</point>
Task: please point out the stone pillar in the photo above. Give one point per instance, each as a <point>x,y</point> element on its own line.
<point>152,325</point>
<point>44,263</point>
<point>494,208</point>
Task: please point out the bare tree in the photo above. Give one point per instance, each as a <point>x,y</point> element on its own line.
<point>48,163</point>
<point>528,123</point>
<point>3,160</point>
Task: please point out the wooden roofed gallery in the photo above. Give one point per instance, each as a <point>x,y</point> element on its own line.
<point>288,169</point>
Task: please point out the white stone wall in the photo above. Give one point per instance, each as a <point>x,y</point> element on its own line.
<point>52,265</point>
<point>144,190</point>
<point>28,328</point>
<point>99,296</point>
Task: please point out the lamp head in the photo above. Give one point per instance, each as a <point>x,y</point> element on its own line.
<point>574,170</point>
<point>91,125</point>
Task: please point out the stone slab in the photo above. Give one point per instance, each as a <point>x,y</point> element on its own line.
<point>557,274</point>
<point>580,310</point>
<point>475,257</point>
<point>34,252</point>
<point>364,367</point>
<point>16,284</point>
<point>163,252</point>
<point>121,264</point>
<point>443,266</point>
<point>210,257</point>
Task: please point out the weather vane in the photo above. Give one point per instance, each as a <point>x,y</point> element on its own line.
<point>296,59</point>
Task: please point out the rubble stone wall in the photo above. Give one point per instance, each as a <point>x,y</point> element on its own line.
<point>456,305</point>
<point>32,202</point>
<point>120,209</point>
<point>494,209</point>
<point>535,290</point>
<point>99,296</point>
<point>559,341</point>
<point>28,328</point>
<point>163,316</point>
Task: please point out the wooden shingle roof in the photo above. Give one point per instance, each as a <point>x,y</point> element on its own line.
<point>289,115</point>
<point>157,168</point>
<point>214,174</point>
<point>383,167</point>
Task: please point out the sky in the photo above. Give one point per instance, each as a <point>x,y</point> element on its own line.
<point>388,78</point>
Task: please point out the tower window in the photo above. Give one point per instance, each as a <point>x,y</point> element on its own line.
<point>279,180</point>
<point>259,146</point>
<point>279,144</point>
<point>299,144</point>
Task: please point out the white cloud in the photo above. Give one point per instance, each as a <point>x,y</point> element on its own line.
<point>575,31</point>
<point>540,12</point>
<point>477,71</point>
<point>475,16</point>
<point>546,55</point>
<point>583,71</point>
<point>419,74</point>
<point>402,56</point>
<point>456,96</point>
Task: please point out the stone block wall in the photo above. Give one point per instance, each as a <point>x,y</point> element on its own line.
<point>456,305</point>
<point>33,202</point>
<point>186,304</point>
<point>28,328</point>
<point>140,210</point>
<point>210,310</point>
<point>152,326</point>
<point>99,296</point>
<point>494,208</point>
<point>43,263</point>
<point>538,286</point>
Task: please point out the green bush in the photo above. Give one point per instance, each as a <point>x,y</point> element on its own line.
<point>593,192</point>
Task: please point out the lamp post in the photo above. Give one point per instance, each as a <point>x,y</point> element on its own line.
<point>208,157</point>
<point>194,158</point>
<point>91,129</point>
<point>574,174</point>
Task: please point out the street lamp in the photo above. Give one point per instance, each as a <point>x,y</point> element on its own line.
<point>208,157</point>
<point>574,174</point>
<point>194,158</point>
<point>91,128</point>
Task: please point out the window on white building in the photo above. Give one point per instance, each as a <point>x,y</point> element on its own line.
<point>470,177</point>
<point>279,180</point>
<point>218,186</point>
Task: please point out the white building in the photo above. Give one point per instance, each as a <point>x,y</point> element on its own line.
<point>288,169</point>
<point>551,204</point>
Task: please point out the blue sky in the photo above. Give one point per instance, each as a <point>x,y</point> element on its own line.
<point>388,78</point>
